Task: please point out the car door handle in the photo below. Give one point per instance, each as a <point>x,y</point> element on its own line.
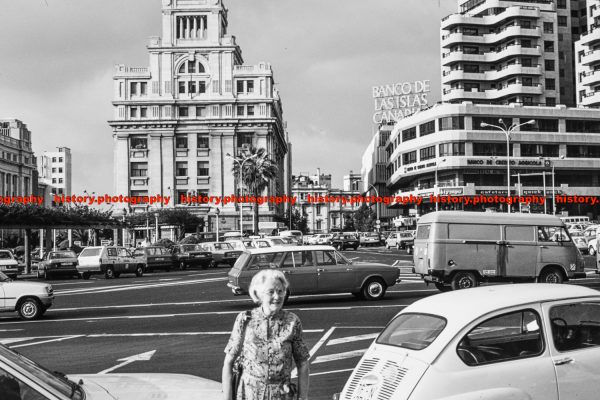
<point>348,269</point>
<point>563,361</point>
<point>320,269</point>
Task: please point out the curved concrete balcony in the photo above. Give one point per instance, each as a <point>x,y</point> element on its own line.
<point>460,75</point>
<point>592,78</point>
<point>454,39</point>
<point>511,12</point>
<point>591,57</point>
<point>458,56</point>
<point>463,95</point>
<point>510,70</point>
<point>591,99</point>
<point>491,94</point>
<point>490,57</point>
<point>590,38</point>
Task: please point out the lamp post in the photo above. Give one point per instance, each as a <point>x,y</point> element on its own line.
<point>124,230</point>
<point>241,164</point>
<point>507,131</point>
<point>553,185</point>
<point>156,232</point>
<point>376,205</point>
<point>217,212</point>
<point>436,182</point>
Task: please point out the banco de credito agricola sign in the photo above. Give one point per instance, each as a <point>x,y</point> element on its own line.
<point>394,102</point>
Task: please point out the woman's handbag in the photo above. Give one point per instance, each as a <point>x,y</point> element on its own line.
<point>238,367</point>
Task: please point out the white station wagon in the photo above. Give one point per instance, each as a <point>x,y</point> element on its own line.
<point>517,342</point>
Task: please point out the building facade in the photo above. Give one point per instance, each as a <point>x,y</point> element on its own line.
<point>17,162</point>
<point>445,151</point>
<point>55,171</point>
<point>503,52</point>
<point>322,216</point>
<point>588,59</point>
<point>178,122</point>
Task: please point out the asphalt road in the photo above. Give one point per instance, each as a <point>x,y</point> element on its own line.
<point>179,322</point>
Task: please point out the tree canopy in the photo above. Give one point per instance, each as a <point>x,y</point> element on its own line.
<point>32,217</point>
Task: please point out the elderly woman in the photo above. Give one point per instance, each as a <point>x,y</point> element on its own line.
<point>269,342</point>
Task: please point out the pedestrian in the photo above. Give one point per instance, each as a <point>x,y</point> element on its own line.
<point>268,342</point>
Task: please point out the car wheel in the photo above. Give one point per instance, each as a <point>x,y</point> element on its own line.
<point>30,309</point>
<point>464,280</point>
<point>373,289</point>
<point>442,288</point>
<point>86,275</point>
<point>592,251</point>
<point>213,264</point>
<point>139,271</point>
<point>41,273</point>
<point>551,275</point>
<point>182,265</point>
<point>110,273</point>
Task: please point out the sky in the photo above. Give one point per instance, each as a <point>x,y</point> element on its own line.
<point>58,56</point>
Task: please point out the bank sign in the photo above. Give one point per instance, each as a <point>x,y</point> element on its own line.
<point>397,101</point>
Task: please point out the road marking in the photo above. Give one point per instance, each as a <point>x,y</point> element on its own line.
<point>315,348</point>
<point>11,330</point>
<point>339,356</point>
<point>134,287</point>
<point>185,303</point>
<point>128,360</point>
<point>8,341</point>
<point>60,339</point>
<point>332,372</point>
<point>349,339</point>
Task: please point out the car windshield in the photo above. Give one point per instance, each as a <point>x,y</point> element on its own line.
<point>412,331</point>
<point>4,277</point>
<point>59,386</point>
<point>5,255</point>
<point>61,254</point>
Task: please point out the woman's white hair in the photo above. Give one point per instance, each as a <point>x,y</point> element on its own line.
<point>264,276</point>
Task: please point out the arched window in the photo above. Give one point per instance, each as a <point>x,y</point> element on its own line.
<point>192,67</point>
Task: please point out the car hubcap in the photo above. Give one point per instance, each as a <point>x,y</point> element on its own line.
<point>465,283</point>
<point>552,278</point>
<point>109,273</point>
<point>375,289</point>
<point>29,309</point>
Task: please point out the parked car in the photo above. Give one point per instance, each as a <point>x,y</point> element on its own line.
<point>399,239</point>
<point>495,342</point>
<point>580,241</point>
<point>576,227</point>
<point>58,263</point>
<point>22,378</point>
<point>460,249</point>
<point>268,241</point>
<point>221,252</point>
<point>324,238</point>
<point>154,257</point>
<point>295,234</point>
<point>187,255</point>
<point>313,270</point>
<point>369,239</point>
<point>111,261</point>
<point>9,264</point>
<point>306,239</point>
<point>590,234</point>
<point>290,241</point>
<point>29,299</point>
<point>343,241</point>
<point>241,244</point>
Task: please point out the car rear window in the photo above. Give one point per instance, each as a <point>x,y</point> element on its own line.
<point>90,252</point>
<point>412,331</point>
<point>5,255</point>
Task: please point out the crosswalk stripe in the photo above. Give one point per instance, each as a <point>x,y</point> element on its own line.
<point>349,339</point>
<point>339,356</point>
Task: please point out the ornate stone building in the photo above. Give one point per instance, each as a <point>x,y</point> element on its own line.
<point>177,122</point>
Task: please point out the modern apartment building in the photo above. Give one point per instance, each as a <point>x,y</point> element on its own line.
<point>445,151</point>
<point>325,216</point>
<point>587,51</point>
<point>55,170</point>
<point>17,162</point>
<point>501,52</point>
<point>178,122</point>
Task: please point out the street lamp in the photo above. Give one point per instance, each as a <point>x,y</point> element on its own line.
<point>376,205</point>
<point>436,181</point>
<point>241,164</point>
<point>507,131</point>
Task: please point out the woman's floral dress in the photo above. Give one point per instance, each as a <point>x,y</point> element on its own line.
<point>272,346</point>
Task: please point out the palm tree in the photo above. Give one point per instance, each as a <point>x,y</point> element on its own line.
<point>257,170</point>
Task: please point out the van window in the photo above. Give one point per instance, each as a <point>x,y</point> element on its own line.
<point>423,231</point>
<point>520,233</point>
<point>111,251</point>
<point>553,234</point>
<point>473,232</point>
<point>90,252</point>
<point>123,252</point>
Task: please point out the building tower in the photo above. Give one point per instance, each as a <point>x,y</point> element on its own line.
<point>503,52</point>
<point>176,121</point>
<point>17,162</point>
<point>588,59</point>
<point>55,171</point>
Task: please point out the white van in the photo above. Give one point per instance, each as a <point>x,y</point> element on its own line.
<point>576,220</point>
<point>460,249</point>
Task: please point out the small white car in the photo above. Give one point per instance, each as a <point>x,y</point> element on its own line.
<point>112,261</point>
<point>591,233</point>
<point>518,342</point>
<point>21,378</point>
<point>9,264</point>
<point>29,299</point>
<point>399,239</point>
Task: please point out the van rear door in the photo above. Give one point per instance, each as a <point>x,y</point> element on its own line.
<point>421,246</point>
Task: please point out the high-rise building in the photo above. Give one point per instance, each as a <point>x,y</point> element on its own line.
<point>588,59</point>
<point>17,162</point>
<point>178,122</point>
<point>55,169</point>
<point>501,52</point>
